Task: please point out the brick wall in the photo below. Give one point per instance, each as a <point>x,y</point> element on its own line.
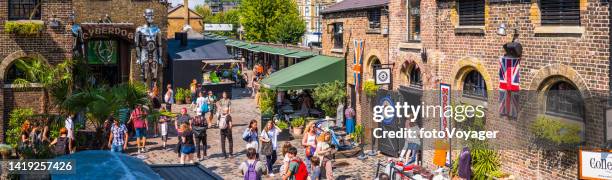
<point>52,45</point>
<point>356,27</point>
<point>128,11</point>
<point>580,58</point>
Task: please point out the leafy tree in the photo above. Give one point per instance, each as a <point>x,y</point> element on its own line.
<point>289,29</point>
<point>328,96</point>
<point>205,12</point>
<point>262,18</point>
<point>232,17</point>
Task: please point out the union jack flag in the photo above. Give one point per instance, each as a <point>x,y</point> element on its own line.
<point>509,76</point>
<point>508,103</point>
<point>357,64</point>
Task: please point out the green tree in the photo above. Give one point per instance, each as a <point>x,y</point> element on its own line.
<point>261,19</point>
<point>232,17</point>
<point>328,96</point>
<point>289,29</point>
<point>205,12</point>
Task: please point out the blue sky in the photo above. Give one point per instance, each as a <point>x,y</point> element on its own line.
<point>192,3</point>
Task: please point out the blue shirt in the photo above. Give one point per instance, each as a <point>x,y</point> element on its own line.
<point>118,134</point>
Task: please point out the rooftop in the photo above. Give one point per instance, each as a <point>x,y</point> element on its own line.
<point>349,5</point>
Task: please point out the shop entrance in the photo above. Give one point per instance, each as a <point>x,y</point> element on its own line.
<point>109,61</point>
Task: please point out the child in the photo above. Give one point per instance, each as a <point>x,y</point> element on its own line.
<point>163,123</point>
<point>286,159</point>
<point>314,166</point>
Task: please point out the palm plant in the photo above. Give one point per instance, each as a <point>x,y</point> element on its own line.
<point>55,80</point>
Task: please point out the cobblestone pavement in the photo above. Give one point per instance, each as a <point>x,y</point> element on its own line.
<point>243,110</point>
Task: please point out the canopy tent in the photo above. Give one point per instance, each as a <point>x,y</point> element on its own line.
<point>300,54</point>
<point>106,165</point>
<point>307,74</point>
<point>186,62</point>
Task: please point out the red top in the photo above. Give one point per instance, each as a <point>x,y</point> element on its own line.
<point>138,118</point>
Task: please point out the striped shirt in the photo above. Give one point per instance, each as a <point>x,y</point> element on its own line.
<point>118,134</point>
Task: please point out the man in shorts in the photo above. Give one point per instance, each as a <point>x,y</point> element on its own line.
<point>139,120</point>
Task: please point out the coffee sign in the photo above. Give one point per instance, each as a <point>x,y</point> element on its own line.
<point>595,165</point>
<point>108,30</point>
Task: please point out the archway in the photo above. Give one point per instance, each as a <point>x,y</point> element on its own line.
<point>373,63</point>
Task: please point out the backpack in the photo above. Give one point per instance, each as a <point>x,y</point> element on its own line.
<point>251,173</point>
<point>302,172</point>
<point>204,108</point>
<point>223,121</point>
<point>61,146</point>
<point>199,121</point>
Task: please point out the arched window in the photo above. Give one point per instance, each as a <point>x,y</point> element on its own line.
<point>415,76</point>
<point>474,85</point>
<point>374,63</point>
<point>15,72</point>
<point>564,99</point>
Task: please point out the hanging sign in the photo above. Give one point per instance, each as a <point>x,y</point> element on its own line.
<point>595,165</point>
<point>108,30</point>
<point>383,76</point>
<point>445,102</point>
<point>218,27</point>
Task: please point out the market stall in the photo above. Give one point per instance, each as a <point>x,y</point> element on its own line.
<point>221,75</point>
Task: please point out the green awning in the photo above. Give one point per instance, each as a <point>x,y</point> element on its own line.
<point>253,48</point>
<point>307,74</point>
<point>300,54</point>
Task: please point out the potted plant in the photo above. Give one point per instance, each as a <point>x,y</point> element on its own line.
<point>370,88</point>
<point>297,125</point>
<point>24,28</point>
<point>327,96</point>
<point>188,97</point>
<point>556,131</point>
<point>179,96</point>
<point>499,175</point>
<point>5,151</point>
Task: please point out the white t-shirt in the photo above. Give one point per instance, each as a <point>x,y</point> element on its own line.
<point>272,135</point>
<point>68,124</point>
<point>199,102</point>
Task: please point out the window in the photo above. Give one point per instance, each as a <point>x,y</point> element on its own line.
<point>307,11</point>
<point>474,85</point>
<point>24,9</point>
<point>414,20</point>
<point>563,99</point>
<point>471,12</point>
<point>415,77</point>
<point>560,12</point>
<point>338,40</point>
<point>374,18</point>
<point>15,72</point>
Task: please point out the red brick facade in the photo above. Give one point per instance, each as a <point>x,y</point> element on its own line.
<point>578,55</point>
<point>52,45</point>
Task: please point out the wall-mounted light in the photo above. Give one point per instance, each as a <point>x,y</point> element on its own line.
<point>424,55</point>
<point>54,22</point>
<point>501,30</point>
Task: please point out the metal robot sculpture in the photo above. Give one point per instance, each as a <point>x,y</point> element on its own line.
<point>78,45</point>
<point>148,41</point>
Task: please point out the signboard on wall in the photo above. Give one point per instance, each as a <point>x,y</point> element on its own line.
<point>595,165</point>
<point>383,76</point>
<point>218,27</point>
<point>445,101</point>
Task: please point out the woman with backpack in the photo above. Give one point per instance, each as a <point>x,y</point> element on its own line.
<point>268,140</point>
<point>250,136</point>
<point>309,141</point>
<point>62,144</point>
<point>251,168</point>
<point>199,133</point>
<point>325,153</point>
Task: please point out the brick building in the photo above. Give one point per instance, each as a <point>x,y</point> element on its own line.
<point>351,20</point>
<point>310,10</point>
<point>111,24</point>
<point>177,18</point>
<point>565,48</point>
<point>52,45</point>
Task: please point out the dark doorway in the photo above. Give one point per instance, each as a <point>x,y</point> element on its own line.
<point>109,61</point>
